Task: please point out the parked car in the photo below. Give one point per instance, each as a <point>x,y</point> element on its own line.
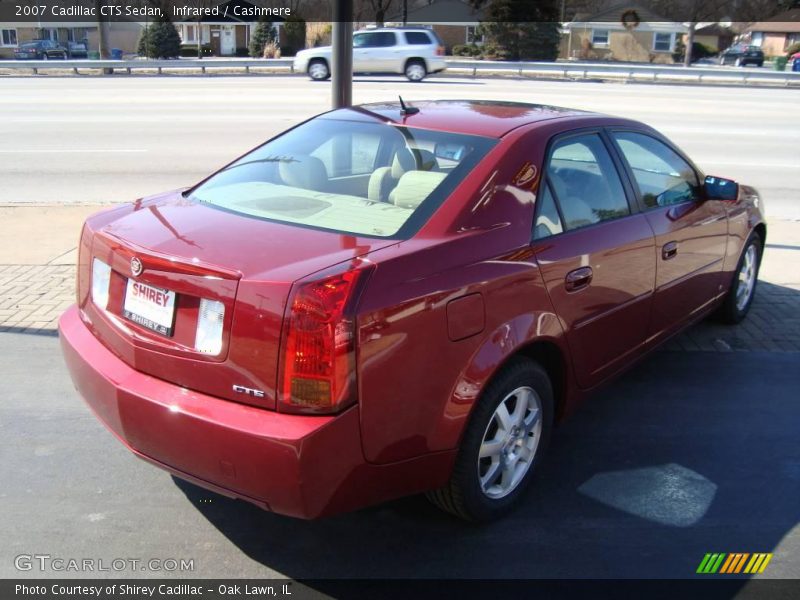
<point>77,50</point>
<point>414,52</point>
<point>40,50</point>
<point>742,55</point>
<point>387,300</point>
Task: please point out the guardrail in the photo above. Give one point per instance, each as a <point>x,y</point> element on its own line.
<point>562,70</point>
<point>622,71</point>
<point>280,64</point>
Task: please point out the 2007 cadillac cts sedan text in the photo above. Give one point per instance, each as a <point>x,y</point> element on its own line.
<point>387,300</point>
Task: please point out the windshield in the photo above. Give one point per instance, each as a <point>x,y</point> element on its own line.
<point>360,178</point>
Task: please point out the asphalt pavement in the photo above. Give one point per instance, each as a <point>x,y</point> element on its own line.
<point>687,454</point>
<point>91,139</point>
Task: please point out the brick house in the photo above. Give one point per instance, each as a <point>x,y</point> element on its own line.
<point>775,35</point>
<point>624,32</point>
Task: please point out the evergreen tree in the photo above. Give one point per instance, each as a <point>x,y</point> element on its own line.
<point>523,29</point>
<point>263,35</point>
<point>160,40</point>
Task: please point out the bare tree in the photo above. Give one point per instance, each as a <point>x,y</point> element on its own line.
<point>694,12</point>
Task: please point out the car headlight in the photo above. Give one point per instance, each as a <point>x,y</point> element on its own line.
<point>208,338</point>
<point>101,279</point>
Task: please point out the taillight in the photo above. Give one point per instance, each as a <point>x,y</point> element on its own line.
<point>101,280</point>
<point>440,51</point>
<point>319,358</point>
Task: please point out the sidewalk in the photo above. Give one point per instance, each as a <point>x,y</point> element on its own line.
<point>37,282</point>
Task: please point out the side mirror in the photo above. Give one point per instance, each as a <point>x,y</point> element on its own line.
<point>717,188</point>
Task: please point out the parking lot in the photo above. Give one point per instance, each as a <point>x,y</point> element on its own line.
<point>693,451</point>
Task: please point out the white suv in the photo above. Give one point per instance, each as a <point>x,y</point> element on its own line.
<point>414,52</point>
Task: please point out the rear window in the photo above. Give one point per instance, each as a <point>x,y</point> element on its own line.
<point>358,178</point>
<point>418,38</point>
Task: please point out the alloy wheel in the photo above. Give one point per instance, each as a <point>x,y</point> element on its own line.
<point>510,442</point>
<point>747,278</point>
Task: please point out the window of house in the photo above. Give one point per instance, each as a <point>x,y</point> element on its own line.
<point>599,37</point>
<point>9,37</point>
<point>473,37</point>
<point>757,38</point>
<point>663,42</point>
<point>50,34</point>
<point>191,33</point>
<point>586,183</point>
<point>791,40</point>
<point>663,177</point>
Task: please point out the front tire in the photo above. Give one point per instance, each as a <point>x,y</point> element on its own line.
<point>506,436</point>
<point>743,287</point>
<point>738,63</point>
<point>416,70</point>
<point>319,70</point>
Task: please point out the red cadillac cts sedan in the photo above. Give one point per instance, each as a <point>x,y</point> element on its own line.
<point>387,300</point>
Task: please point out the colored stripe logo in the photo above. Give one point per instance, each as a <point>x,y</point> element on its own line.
<point>734,563</point>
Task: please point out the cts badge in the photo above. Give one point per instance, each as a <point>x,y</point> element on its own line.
<point>240,389</point>
<point>136,267</point>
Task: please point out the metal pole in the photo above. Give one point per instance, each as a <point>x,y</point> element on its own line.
<point>342,56</point>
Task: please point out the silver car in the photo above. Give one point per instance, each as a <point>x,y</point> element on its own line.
<point>414,52</point>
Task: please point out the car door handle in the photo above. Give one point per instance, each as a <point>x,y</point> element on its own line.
<point>669,250</point>
<point>578,279</point>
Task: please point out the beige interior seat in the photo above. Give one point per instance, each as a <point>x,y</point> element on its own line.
<point>307,172</point>
<point>414,186</point>
<point>384,180</point>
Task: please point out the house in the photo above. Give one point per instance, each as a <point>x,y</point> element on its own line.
<point>454,21</point>
<point>227,32</point>
<point>713,36</point>
<point>775,35</point>
<point>624,32</point>
<point>121,34</point>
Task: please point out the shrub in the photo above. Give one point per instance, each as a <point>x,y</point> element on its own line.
<point>698,51</point>
<point>271,50</point>
<point>295,30</point>
<point>793,49</point>
<point>263,35</point>
<point>191,51</point>
<point>466,50</point>
<point>160,40</point>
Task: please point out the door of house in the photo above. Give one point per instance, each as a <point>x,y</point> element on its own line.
<point>228,41</point>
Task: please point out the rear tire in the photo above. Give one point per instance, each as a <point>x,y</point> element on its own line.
<point>743,287</point>
<point>318,69</point>
<point>504,440</point>
<point>416,70</point>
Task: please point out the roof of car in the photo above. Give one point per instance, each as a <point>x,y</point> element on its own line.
<point>475,117</point>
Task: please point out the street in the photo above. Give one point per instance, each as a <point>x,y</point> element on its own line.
<point>695,450</point>
<point>93,139</point>
<point>688,453</point>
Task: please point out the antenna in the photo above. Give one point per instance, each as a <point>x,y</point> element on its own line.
<point>407,110</point>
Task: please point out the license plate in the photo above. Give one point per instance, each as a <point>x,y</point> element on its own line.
<point>150,307</point>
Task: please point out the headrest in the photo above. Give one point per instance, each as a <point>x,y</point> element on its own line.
<point>415,186</point>
<point>407,159</point>
<point>307,172</point>
<point>404,160</point>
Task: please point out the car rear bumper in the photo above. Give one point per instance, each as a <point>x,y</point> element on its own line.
<point>436,65</point>
<point>303,466</point>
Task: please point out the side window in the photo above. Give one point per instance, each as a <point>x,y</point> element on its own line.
<point>365,40</point>
<point>385,39</point>
<point>585,182</point>
<point>663,177</point>
<point>417,38</point>
<point>346,155</point>
<point>548,222</point>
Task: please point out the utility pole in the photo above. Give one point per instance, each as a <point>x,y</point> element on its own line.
<point>342,55</point>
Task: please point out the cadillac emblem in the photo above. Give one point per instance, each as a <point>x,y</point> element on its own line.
<point>136,267</point>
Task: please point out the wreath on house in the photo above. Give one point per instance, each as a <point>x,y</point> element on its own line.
<point>630,19</point>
